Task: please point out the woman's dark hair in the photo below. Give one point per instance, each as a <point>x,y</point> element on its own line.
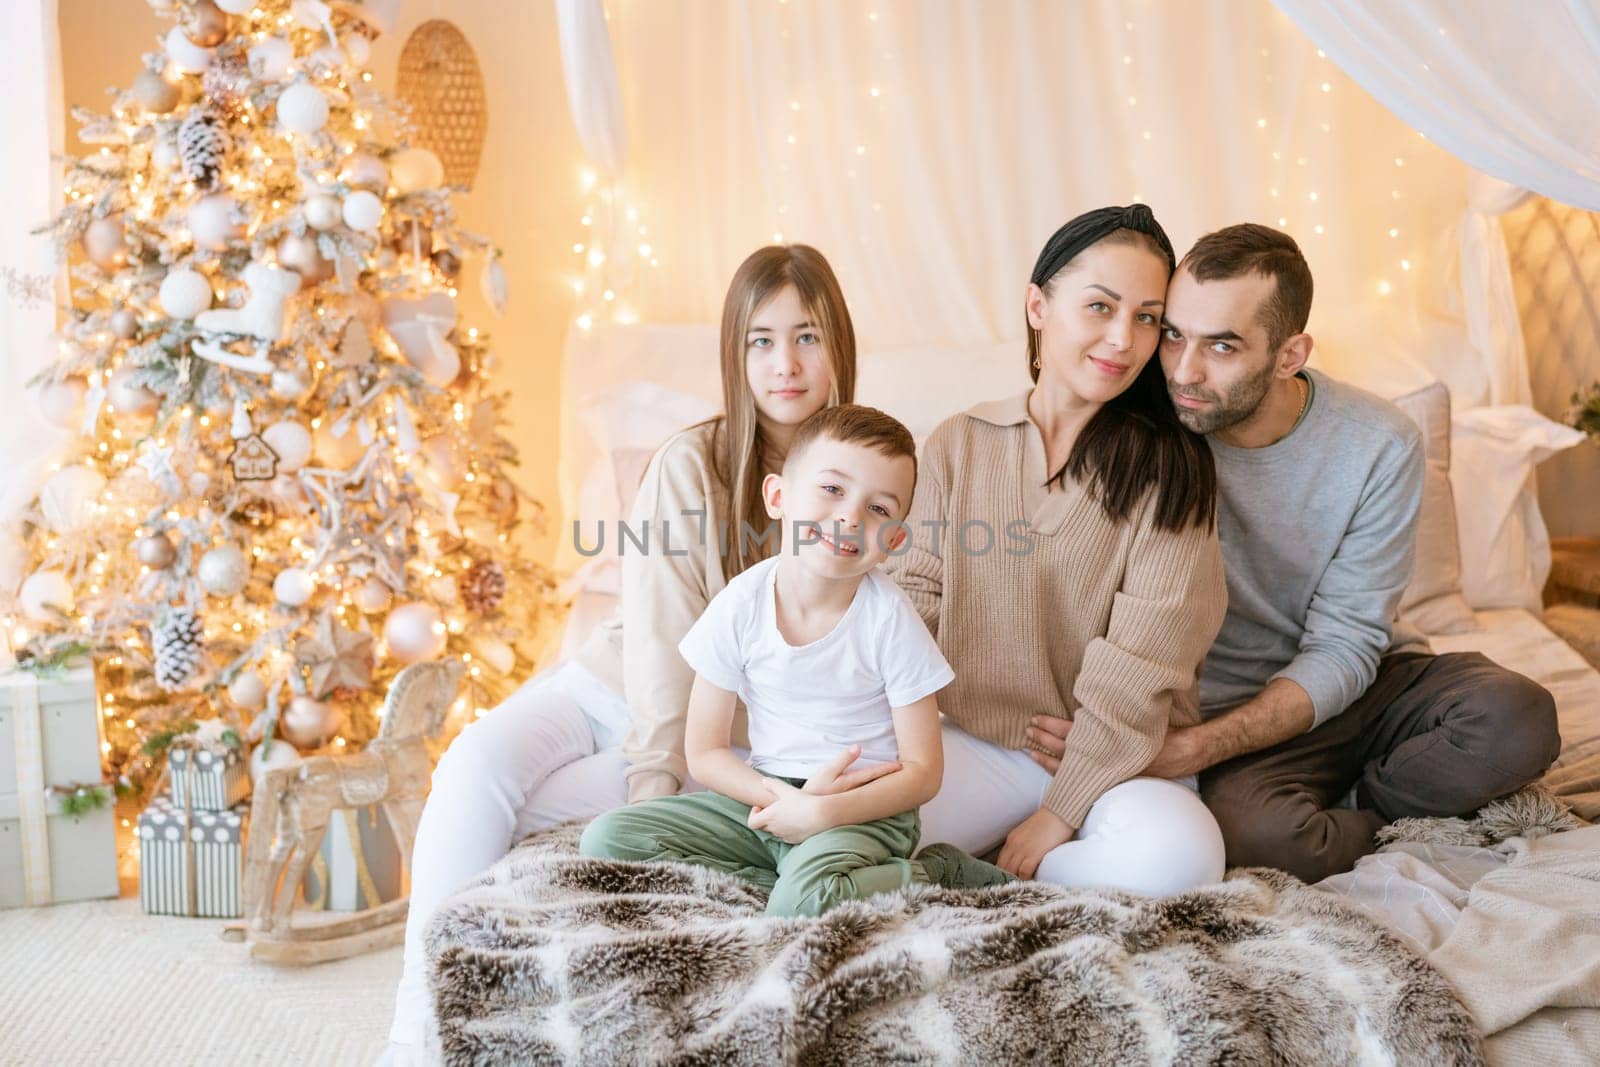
<point>1135,443</point>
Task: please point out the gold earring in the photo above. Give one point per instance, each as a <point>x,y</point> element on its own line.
<point>1035,362</point>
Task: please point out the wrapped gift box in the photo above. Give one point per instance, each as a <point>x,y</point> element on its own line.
<point>220,777</point>
<point>50,737</point>
<point>359,865</point>
<point>212,848</point>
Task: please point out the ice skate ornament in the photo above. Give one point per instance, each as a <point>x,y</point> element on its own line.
<point>261,319</point>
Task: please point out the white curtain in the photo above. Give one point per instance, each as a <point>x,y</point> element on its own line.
<point>591,79</point>
<point>929,149</point>
<point>1511,88</point>
<point>30,130</point>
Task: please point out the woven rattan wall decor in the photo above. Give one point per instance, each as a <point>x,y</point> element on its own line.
<point>440,81</point>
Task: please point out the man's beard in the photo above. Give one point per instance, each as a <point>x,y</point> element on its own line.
<point>1237,405</point>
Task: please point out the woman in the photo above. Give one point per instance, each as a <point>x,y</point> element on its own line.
<point>548,754</point>
<point>1065,555</point>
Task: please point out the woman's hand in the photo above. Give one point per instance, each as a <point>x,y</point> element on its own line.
<point>1028,842</point>
<point>792,816</point>
<point>833,779</point>
<point>1181,755</point>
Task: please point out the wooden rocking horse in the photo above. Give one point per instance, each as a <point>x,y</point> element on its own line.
<point>293,805</point>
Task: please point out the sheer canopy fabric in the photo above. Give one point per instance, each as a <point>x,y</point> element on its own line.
<point>929,150</point>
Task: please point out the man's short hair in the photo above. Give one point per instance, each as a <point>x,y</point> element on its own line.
<point>1248,248</point>
<point>857,424</point>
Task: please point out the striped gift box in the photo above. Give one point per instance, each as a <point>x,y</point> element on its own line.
<point>215,848</point>
<point>220,779</point>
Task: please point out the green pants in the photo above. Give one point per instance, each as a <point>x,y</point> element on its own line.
<point>845,863</point>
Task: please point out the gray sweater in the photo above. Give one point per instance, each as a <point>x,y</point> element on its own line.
<point>1318,542</point>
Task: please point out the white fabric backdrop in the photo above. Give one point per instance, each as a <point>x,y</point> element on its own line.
<point>30,130</point>
<point>930,150</point>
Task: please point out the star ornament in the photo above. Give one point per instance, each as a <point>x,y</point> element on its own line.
<point>337,657</point>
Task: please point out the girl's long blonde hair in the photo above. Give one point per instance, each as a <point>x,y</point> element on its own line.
<point>737,440</point>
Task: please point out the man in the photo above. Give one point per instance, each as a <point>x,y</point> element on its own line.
<point>1324,718</point>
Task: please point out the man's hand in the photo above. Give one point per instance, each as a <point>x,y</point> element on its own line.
<point>833,778</point>
<point>792,816</point>
<point>1030,839</point>
<point>1182,753</point>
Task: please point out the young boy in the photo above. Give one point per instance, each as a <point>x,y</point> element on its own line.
<point>833,664</point>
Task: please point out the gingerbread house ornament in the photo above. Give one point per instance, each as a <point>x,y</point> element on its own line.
<point>253,460</point>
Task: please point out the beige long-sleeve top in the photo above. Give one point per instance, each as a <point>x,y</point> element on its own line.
<point>664,590</point>
<point>1066,614</point>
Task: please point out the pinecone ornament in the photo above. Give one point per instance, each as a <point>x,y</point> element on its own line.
<point>482,587</point>
<point>225,84</point>
<point>202,144</point>
<point>178,641</point>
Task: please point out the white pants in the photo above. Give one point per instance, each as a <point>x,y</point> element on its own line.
<point>1147,835</point>
<point>548,754</point>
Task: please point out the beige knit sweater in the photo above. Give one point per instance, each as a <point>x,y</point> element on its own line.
<point>1067,614</point>
<point>664,591</point>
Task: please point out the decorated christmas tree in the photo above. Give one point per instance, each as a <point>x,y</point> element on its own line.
<point>288,479</point>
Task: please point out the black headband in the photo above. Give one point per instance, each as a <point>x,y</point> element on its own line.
<point>1083,231</point>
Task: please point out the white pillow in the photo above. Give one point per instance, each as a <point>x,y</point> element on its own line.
<point>1433,602</point>
<point>1505,548</point>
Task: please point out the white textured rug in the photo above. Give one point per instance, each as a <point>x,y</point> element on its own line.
<point>101,982</point>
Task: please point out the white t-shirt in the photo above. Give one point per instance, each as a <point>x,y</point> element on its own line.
<point>807,702</point>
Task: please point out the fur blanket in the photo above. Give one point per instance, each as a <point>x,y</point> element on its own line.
<point>553,958</point>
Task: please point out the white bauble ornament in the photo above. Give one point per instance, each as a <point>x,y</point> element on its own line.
<point>156,551</point>
<point>103,242</point>
<point>62,402</point>
<point>270,757</point>
<point>236,7</point>
<point>248,690</point>
<point>223,571</point>
<point>270,59</point>
<point>185,293</point>
<point>372,597</point>
<point>307,723</point>
<point>322,212</point>
<point>212,222</point>
<point>414,169</point>
<point>130,399</point>
<point>363,171</point>
<point>43,590</point>
<point>443,466</point>
<point>124,323</point>
<point>293,586</point>
<point>291,441</point>
<point>154,93</point>
<point>338,451</point>
<point>185,54</point>
<point>362,211</point>
<point>69,497</point>
<point>302,109</point>
<point>289,386</point>
<point>414,632</point>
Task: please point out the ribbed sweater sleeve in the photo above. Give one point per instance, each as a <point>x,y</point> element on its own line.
<point>663,593</point>
<point>1164,615</point>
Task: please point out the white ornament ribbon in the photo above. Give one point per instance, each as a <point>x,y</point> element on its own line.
<point>28,735</point>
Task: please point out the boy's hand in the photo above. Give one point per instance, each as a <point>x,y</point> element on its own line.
<point>792,816</point>
<point>833,778</point>
<point>1030,839</point>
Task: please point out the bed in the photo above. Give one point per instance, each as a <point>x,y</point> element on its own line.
<point>551,957</point>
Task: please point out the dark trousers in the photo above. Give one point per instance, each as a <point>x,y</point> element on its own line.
<point>1433,735</point>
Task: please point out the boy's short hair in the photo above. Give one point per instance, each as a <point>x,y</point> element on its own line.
<point>1250,248</point>
<point>857,424</point>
